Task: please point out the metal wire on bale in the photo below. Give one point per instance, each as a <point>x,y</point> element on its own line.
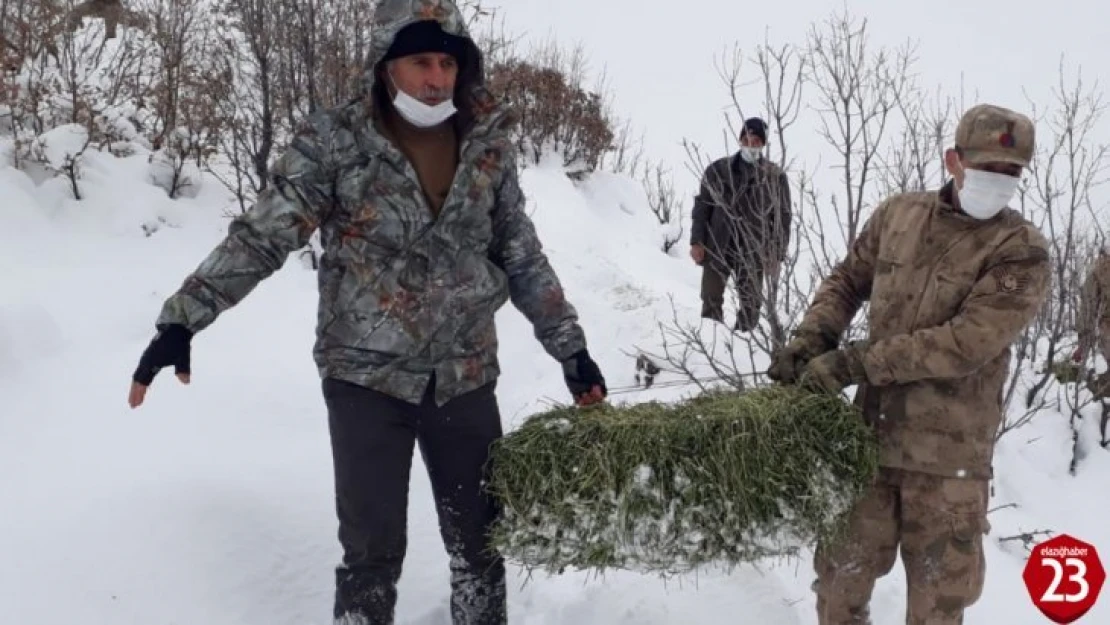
<point>723,479</point>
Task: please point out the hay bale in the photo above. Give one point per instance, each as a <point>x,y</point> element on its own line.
<point>724,478</point>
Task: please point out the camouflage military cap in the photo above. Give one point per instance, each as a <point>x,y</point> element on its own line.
<point>992,134</point>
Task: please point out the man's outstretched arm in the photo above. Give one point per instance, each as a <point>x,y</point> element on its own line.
<point>258,241</point>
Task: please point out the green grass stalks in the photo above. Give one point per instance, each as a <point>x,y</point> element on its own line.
<point>724,478</point>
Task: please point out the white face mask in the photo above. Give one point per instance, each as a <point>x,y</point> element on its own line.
<point>419,114</point>
<point>986,193</point>
<point>750,153</point>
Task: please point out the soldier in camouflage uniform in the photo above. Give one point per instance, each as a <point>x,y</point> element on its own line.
<point>953,277</point>
<point>414,191</point>
<point>1093,319</point>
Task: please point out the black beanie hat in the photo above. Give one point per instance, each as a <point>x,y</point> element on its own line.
<point>757,127</point>
<point>425,36</point>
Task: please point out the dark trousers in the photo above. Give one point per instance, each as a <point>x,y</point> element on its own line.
<point>714,281</point>
<point>372,437</point>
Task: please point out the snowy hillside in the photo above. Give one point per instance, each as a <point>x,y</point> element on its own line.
<point>212,504</point>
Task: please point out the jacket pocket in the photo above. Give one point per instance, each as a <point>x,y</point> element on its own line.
<point>949,292</point>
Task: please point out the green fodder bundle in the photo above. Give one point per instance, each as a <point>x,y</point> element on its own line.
<point>1066,372</point>
<point>724,478</point>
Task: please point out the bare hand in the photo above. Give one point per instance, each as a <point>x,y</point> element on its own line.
<point>138,391</point>
<point>595,395</point>
<point>697,252</point>
<point>170,347</point>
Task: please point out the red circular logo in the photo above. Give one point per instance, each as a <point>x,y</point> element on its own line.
<point>1064,577</point>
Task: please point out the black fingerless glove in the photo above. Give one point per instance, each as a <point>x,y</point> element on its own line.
<point>582,374</point>
<point>169,347</point>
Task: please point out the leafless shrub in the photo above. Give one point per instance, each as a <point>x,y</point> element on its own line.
<point>557,112</point>
<point>658,186</point>
<point>1071,165</point>
<point>914,158</point>
<point>247,60</point>
<point>112,13</point>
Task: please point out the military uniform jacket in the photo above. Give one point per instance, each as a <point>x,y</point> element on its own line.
<point>948,296</point>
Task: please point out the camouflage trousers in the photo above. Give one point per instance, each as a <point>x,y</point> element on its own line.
<point>936,523</point>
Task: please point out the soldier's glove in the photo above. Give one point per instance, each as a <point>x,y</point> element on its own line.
<point>584,379</point>
<point>1099,385</point>
<point>788,361</point>
<point>836,370</point>
<point>169,347</point>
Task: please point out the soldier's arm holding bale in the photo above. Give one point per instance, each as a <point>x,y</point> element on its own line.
<point>838,299</point>
<point>1000,305</point>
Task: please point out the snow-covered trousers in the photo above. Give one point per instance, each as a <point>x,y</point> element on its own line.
<point>937,522</point>
<point>372,438</point>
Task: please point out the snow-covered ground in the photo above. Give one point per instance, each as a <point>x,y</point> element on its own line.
<point>212,504</point>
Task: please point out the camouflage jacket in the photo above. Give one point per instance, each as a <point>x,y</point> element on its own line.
<point>742,213</point>
<point>403,294</point>
<point>948,296</point>
<point>1093,317</point>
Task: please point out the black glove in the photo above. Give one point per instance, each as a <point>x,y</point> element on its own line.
<point>582,375</point>
<point>169,347</point>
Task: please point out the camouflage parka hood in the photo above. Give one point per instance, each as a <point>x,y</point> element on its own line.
<point>392,16</point>
<point>407,294</point>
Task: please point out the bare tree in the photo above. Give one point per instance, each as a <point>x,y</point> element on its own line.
<point>658,186</point>
<point>914,159</point>
<point>762,236</point>
<point>174,24</point>
<point>187,148</point>
<point>112,12</point>
<point>858,93</point>
<point>248,61</point>
<point>558,113</point>
<point>27,29</point>
<point>1070,166</point>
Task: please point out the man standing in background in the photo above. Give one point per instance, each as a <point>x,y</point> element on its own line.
<point>741,227</point>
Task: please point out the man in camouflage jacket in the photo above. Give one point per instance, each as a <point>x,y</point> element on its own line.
<point>740,227</point>
<point>1093,319</point>
<point>953,277</point>
<point>425,237</point>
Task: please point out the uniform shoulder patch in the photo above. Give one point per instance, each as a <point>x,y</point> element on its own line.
<point>1010,281</point>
